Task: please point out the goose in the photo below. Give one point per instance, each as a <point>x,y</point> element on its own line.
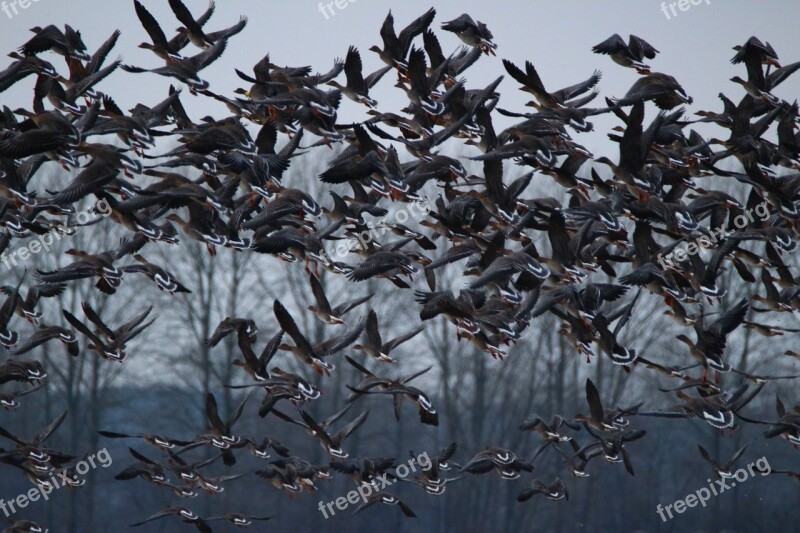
<point>330,442</point>
<point>145,468</point>
<point>9,401</point>
<point>185,514</point>
<point>719,410</point>
<point>109,344</point>
<point>601,419</point>
<point>375,346</point>
<point>159,45</point>
<point>164,280</point>
<point>193,29</point>
<point>218,433</point>
<point>396,47</point>
<point>24,371</point>
<point>304,351</point>
<point>368,468</point>
<point>628,55</point>
<point>9,338</point>
<point>23,526</point>
<point>32,449</point>
<point>67,43</point>
<point>245,328</point>
<point>398,388</point>
<point>257,366</point>
<point>556,491</point>
<point>260,449</point>
<point>386,499</point>
<point>431,478</point>
<point>239,519</point>
<point>164,443</point>
<point>87,266</point>
<point>472,33</point>
<point>186,69</point>
<point>22,67</point>
<point>549,431</point>
<point>754,54</point>
<point>532,83</point>
<point>787,425</point>
<point>384,264</point>
<point>358,86</point>
<point>505,462</point>
<point>47,333</point>
<point>711,341</point>
<point>663,89</point>
<point>722,470</point>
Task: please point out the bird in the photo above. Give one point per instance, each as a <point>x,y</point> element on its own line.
<point>10,400</point>
<point>600,418</point>
<point>144,468</point>
<point>386,499</point>
<point>396,46</point>
<point>323,310</point>
<point>23,526</point>
<point>717,410</point>
<point>47,333</point>
<point>358,86</point>
<point>711,341</point>
<point>245,328</point>
<point>67,43</point>
<point>184,514</point>
<point>375,346</point>
<point>239,519</point>
<point>548,430</point>
<point>187,69</point>
<point>628,55</point>
<point>32,449</point>
<point>163,279</point>
<point>472,33</point>
<point>693,218</point>
<point>722,470</point>
<point>503,461</point>
<point>9,338</point>
<point>556,491</point>
<point>156,440</point>
<point>219,433</point>
<point>304,351</point>
<point>398,388</point>
<point>26,307</point>
<point>109,344</point>
<point>331,443</point>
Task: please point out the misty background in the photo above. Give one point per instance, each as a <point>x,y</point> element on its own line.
<point>162,385</point>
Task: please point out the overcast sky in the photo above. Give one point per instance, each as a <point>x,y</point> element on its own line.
<point>556,36</point>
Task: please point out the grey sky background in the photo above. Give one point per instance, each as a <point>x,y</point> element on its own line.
<point>557,36</point>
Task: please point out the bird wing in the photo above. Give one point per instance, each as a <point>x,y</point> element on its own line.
<point>288,325</point>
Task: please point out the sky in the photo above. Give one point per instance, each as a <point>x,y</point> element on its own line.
<point>557,36</point>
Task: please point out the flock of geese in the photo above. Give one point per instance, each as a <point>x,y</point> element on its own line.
<point>523,256</point>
